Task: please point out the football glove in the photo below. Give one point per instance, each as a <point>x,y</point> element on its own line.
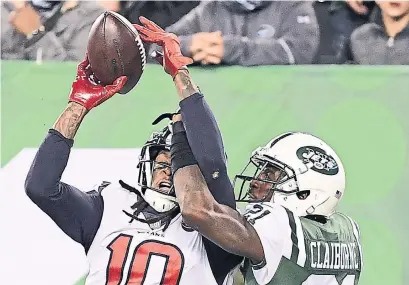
<point>88,93</point>
<point>171,59</point>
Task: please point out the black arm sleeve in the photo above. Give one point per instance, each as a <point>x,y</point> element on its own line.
<point>77,213</point>
<point>206,143</point>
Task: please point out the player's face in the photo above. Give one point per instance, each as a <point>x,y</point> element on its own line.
<point>162,174</point>
<point>394,9</point>
<point>262,190</point>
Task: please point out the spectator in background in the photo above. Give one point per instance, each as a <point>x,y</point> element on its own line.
<point>163,13</point>
<point>385,43</point>
<point>46,30</point>
<point>249,33</point>
<point>337,21</point>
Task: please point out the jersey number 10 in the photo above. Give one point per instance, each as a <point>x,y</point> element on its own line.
<point>141,259</point>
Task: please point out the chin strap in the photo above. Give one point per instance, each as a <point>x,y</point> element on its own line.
<point>141,206</point>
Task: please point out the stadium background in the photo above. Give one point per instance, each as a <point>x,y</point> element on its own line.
<point>361,111</point>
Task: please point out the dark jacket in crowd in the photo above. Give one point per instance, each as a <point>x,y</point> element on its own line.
<point>163,13</point>
<point>337,21</point>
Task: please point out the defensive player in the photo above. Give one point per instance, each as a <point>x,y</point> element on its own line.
<point>135,235</point>
<point>290,232</point>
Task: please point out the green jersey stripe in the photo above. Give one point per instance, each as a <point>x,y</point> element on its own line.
<point>294,251</point>
<point>301,243</point>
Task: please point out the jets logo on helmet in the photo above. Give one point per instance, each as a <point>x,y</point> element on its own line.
<point>318,160</point>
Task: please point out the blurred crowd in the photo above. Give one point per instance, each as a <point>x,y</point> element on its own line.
<point>240,32</point>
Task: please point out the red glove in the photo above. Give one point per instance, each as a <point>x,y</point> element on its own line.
<point>172,59</point>
<point>89,94</point>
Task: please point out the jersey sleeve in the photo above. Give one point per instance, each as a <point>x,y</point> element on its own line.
<point>276,228</point>
<point>77,213</point>
<point>206,143</point>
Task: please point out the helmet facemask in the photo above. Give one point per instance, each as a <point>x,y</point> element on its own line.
<point>159,191</point>
<point>148,168</point>
<point>262,169</point>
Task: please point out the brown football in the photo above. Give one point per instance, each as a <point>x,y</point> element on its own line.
<point>115,49</point>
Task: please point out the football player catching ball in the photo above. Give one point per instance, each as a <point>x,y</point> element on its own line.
<point>136,235</point>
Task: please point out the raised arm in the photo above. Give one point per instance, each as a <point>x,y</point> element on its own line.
<point>201,127</point>
<point>221,224</point>
<point>200,131</point>
<point>204,139</point>
<point>77,213</point>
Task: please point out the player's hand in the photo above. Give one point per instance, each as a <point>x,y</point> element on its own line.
<point>171,59</point>
<point>88,93</point>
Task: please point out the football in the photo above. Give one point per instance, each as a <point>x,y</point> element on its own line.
<point>115,49</point>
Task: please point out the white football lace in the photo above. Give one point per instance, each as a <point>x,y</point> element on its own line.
<point>141,51</point>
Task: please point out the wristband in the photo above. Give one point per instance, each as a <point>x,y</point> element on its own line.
<point>180,151</point>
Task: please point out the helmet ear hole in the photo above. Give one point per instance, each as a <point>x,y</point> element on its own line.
<point>302,195</point>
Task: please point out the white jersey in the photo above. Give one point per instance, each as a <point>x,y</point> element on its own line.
<point>300,251</point>
<point>132,253</point>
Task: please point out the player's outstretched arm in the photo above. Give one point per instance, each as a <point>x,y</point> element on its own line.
<point>201,127</point>
<point>204,139</point>
<point>221,224</point>
<point>200,131</point>
<point>70,120</point>
<point>77,213</point>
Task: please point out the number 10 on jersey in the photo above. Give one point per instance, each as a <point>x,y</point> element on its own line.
<point>141,258</point>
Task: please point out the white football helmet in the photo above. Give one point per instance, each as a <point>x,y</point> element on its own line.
<point>307,164</point>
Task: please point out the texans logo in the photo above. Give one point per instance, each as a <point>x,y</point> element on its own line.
<point>318,160</point>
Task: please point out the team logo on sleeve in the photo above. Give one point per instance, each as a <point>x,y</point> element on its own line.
<point>318,160</point>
